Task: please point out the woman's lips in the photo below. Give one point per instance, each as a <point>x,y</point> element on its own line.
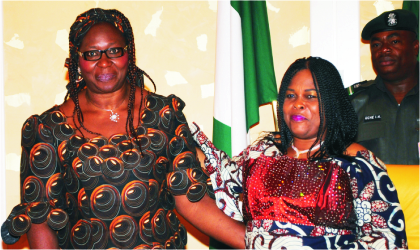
<point>298,118</point>
<point>105,77</point>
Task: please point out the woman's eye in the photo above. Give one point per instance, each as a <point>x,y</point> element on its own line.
<point>395,41</point>
<point>92,53</point>
<point>311,96</point>
<point>114,50</point>
<point>289,95</point>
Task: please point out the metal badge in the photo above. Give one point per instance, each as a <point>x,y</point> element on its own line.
<point>392,19</point>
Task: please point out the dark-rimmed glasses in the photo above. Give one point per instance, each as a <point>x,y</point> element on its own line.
<point>95,55</point>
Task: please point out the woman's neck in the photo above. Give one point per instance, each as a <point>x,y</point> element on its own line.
<point>299,148</point>
<point>303,144</point>
<point>108,101</point>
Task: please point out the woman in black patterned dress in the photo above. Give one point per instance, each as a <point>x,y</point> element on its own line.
<point>108,167</point>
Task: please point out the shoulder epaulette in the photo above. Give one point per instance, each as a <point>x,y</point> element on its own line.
<point>359,86</point>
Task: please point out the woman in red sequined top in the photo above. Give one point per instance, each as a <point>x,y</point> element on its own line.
<point>309,186</point>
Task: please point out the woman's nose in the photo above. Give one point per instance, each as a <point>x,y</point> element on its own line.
<point>298,105</point>
<point>104,61</point>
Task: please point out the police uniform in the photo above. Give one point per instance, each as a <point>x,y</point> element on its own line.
<point>389,130</point>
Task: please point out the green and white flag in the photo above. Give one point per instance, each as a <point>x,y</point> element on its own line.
<point>245,75</point>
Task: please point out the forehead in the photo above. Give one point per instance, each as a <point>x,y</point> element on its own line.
<point>302,79</point>
<point>102,34</point>
<point>403,34</point>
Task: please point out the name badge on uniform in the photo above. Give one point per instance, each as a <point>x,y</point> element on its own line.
<point>372,118</point>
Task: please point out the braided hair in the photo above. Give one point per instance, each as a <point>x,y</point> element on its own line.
<point>338,120</point>
<point>135,76</point>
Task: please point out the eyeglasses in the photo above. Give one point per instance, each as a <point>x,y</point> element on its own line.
<point>95,55</point>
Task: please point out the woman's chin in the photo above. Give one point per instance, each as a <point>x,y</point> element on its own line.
<point>303,134</point>
<point>299,129</point>
<point>106,87</point>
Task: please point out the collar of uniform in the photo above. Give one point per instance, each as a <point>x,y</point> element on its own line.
<point>380,85</point>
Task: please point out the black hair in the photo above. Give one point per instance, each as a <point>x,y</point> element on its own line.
<point>135,76</point>
<point>338,119</point>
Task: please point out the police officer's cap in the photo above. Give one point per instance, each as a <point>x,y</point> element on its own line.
<point>391,20</point>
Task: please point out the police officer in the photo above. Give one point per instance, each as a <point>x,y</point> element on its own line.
<point>388,107</point>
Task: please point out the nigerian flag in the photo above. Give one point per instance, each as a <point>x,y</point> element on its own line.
<point>244,72</point>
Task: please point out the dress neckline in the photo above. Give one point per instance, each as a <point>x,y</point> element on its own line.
<point>358,154</point>
<point>57,108</point>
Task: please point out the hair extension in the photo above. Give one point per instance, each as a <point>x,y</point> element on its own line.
<point>135,76</point>
<point>338,120</point>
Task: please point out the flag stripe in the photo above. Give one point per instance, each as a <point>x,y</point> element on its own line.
<point>259,77</point>
<point>223,133</point>
<point>222,104</point>
<point>238,115</point>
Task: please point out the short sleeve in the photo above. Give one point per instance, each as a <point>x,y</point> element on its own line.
<point>184,173</point>
<point>380,219</point>
<point>41,183</point>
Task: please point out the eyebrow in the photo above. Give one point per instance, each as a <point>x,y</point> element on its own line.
<point>95,47</point>
<point>305,89</point>
<point>395,34</point>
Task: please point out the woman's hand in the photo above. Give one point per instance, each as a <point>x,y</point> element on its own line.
<point>207,218</point>
<point>201,157</point>
<point>353,149</point>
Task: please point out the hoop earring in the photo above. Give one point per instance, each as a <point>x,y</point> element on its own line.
<point>79,75</point>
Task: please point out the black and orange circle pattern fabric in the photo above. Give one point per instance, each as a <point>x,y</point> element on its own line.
<point>107,192</point>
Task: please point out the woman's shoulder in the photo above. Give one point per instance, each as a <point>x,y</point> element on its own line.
<point>44,114</point>
<point>173,101</point>
<point>160,96</point>
<point>44,128</point>
<point>354,148</point>
<point>265,144</point>
<point>363,157</point>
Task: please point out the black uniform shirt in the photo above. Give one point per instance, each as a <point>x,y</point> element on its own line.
<point>389,130</point>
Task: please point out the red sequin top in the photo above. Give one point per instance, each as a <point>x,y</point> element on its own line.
<point>298,191</point>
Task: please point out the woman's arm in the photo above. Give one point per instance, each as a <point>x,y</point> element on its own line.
<point>41,236</point>
<point>36,191</point>
<point>379,215</point>
<point>201,158</point>
<point>207,217</point>
<point>225,173</point>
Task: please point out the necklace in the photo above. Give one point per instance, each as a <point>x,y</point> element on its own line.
<point>303,151</point>
<point>114,116</point>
